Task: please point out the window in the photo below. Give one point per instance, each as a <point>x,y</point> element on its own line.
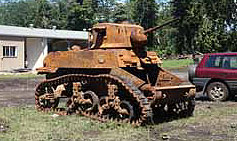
<point>214,61</point>
<point>230,62</point>
<point>9,51</point>
<point>233,62</point>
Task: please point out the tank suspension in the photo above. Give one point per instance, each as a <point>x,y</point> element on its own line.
<point>100,97</point>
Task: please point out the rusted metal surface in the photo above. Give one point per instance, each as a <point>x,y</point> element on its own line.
<point>96,59</point>
<point>114,79</point>
<point>46,70</point>
<point>110,35</point>
<point>122,73</point>
<point>81,59</point>
<point>165,78</point>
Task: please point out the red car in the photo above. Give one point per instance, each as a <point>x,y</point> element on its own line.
<point>216,75</point>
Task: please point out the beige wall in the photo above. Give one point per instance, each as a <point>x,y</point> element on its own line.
<point>13,62</point>
<point>36,50</point>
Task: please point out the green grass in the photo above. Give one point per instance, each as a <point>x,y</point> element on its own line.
<point>19,76</point>
<point>172,64</point>
<point>26,124</point>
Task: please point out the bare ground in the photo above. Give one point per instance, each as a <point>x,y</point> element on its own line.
<point>15,92</point>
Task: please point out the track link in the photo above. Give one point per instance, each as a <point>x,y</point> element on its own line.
<point>136,95</point>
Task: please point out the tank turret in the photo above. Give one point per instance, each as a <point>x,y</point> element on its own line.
<point>125,35</point>
<point>112,35</point>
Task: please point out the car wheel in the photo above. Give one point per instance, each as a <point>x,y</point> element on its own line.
<point>217,91</point>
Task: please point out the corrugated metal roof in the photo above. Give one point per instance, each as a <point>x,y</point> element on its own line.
<point>42,33</point>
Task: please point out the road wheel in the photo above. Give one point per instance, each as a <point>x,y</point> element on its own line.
<point>217,91</point>
<point>128,108</point>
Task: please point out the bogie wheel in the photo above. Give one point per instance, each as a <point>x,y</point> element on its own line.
<point>124,111</point>
<point>49,103</point>
<point>91,101</point>
<point>217,91</point>
<point>128,110</point>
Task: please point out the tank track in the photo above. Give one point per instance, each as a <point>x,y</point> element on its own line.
<point>136,96</point>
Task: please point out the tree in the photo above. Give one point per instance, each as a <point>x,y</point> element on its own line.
<point>22,13</point>
<point>80,16</point>
<point>145,14</point>
<point>206,25</point>
<point>165,37</point>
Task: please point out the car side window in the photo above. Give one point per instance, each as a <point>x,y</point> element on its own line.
<point>214,61</point>
<point>230,62</point>
<point>226,62</point>
<point>233,62</point>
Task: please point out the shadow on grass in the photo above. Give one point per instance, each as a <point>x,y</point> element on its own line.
<point>202,98</point>
<point>168,117</point>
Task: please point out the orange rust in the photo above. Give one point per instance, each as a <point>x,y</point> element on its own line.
<point>46,70</point>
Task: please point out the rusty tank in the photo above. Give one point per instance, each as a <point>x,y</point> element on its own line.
<point>113,79</point>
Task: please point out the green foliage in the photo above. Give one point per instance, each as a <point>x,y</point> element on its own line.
<point>165,36</point>
<point>18,13</point>
<point>80,16</point>
<point>145,14</point>
<point>120,13</point>
<point>204,26</point>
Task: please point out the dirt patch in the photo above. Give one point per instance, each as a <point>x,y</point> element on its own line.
<point>91,134</point>
<point>199,131</point>
<point>15,92</point>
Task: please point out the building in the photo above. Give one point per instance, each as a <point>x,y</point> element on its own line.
<point>22,47</point>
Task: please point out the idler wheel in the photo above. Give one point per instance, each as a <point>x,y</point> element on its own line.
<point>46,100</point>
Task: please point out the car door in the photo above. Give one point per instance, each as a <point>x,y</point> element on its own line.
<point>231,67</point>
<point>230,70</point>
<point>212,68</point>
